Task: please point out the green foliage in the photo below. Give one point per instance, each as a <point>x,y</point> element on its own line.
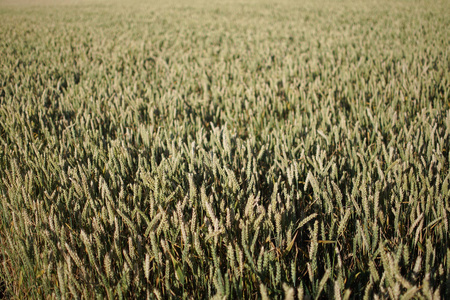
<point>228,150</point>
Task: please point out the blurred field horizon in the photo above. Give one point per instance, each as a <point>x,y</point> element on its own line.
<point>224,149</point>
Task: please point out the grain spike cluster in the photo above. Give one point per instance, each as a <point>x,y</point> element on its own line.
<point>239,150</point>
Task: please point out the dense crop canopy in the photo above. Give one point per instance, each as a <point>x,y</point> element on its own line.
<point>243,149</point>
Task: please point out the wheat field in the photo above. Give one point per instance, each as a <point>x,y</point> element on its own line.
<point>224,149</point>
